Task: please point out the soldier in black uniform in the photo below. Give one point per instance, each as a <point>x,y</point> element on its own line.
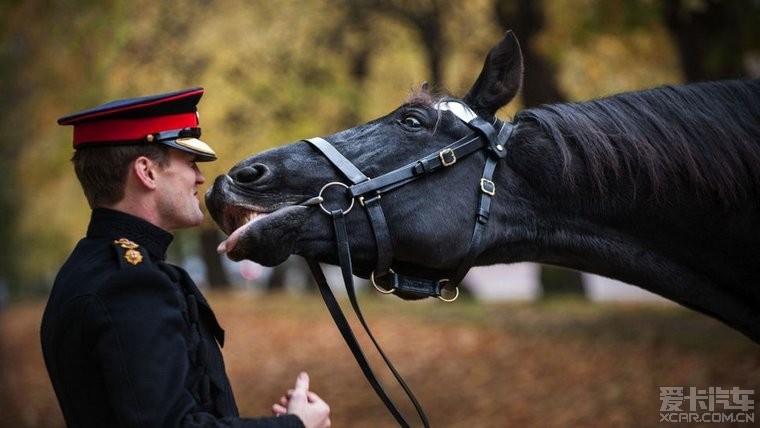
<point>128,338</point>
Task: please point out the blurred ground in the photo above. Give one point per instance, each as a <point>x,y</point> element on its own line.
<point>556,364</point>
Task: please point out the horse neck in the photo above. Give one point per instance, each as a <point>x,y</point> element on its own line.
<point>672,154</point>
<point>673,240</point>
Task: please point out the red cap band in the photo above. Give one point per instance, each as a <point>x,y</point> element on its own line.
<point>130,129</point>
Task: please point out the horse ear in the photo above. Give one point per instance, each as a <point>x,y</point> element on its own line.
<point>500,78</point>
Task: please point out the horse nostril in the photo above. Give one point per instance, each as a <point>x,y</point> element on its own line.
<point>249,174</point>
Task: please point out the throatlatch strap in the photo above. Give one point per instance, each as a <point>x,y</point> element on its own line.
<point>487,190</point>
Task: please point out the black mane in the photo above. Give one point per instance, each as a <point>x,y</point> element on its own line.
<point>704,137</point>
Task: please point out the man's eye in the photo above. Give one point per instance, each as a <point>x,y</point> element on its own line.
<point>411,122</point>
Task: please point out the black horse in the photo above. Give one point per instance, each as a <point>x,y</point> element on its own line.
<point>658,188</point>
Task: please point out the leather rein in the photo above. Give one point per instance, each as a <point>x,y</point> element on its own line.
<point>368,193</point>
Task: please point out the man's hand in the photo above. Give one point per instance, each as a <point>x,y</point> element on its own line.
<point>312,410</point>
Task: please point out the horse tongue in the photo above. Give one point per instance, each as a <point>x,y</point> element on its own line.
<point>228,244</point>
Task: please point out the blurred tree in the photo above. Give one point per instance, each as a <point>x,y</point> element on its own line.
<point>713,37</point>
<point>215,273</point>
<point>37,66</point>
<point>540,86</point>
<point>13,52</point>
<point>427,18</point>
<point>527,19</point>
<point>354,40</point>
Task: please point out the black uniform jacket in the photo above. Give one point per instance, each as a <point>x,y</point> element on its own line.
<point>128,339</point>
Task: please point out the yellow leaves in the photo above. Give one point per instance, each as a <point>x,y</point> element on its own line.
<point>609,64</point>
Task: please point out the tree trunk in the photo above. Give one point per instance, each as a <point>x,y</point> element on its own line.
<point>217,277</point>
<point>709,39</point>
<point>526,19</point>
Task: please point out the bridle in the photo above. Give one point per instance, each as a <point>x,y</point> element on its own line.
<point>368,191</point>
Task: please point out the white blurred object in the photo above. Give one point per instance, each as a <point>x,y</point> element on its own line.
<point>603,289</point>
<point>250,270</point>
<point>518,281</point>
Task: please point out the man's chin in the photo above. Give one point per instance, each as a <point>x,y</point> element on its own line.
<point>187,222</point>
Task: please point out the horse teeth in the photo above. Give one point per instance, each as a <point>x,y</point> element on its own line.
<point>245,217</point>
<point>253,216</point>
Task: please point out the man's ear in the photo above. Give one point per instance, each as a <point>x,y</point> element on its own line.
<point>144,170</point>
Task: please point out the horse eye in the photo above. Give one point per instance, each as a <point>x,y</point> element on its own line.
<point>412,122</point>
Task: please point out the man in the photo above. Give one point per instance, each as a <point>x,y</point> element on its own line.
<point>128,339</point>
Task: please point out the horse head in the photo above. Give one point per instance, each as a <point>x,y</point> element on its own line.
<point>267,204</point>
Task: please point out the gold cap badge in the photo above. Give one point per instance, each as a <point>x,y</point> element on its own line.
<point>132,256</point>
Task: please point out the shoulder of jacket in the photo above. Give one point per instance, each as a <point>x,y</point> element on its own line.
<point>130,254</point>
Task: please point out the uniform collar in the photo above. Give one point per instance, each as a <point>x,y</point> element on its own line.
<point>111,224</point>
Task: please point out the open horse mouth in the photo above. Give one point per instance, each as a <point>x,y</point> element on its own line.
<point>266,233</point>
<point>267,237</point>
<point>235,220</point>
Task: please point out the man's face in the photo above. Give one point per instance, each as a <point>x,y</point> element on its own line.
<point>178,202</point>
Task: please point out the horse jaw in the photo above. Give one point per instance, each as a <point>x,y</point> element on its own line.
<point>268,239</point>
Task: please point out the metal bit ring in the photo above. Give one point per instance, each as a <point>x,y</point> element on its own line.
<point>322,204</point>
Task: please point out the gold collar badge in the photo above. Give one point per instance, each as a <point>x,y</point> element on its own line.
<point>132,256</point>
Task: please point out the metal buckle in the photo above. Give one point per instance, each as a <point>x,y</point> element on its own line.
<point>445,288</point>
<point>487,186</point>
<point>447,152</point>
<point>361,199</point>
<point>333,183</point>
